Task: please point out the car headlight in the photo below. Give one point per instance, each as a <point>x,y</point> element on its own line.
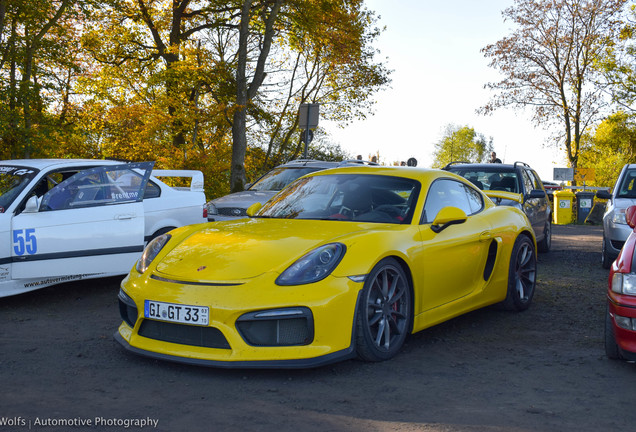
<point>619,217</point>
<point>313,266</point>
<point>152,249</point>
<point>624,283</point>
<point>212,210</point>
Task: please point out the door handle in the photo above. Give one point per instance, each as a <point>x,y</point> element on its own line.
<point>485,236</point>
<point>124,216</point>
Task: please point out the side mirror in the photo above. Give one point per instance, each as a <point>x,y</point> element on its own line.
<point>448,216</point>
<point>630,216</point>
<point>253,209</point>
<point>603,194</point>
<point>32,205</point>
<point>536,193</point>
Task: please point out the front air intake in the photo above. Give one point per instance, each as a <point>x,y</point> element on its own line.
<point>277,327</point>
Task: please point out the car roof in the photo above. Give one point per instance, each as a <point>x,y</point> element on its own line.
<point>322,164</point>
<point>424,175</point>
<point>41,164</point>
<point>489,167</point>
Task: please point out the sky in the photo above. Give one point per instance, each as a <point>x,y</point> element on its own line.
<point>439,73</point>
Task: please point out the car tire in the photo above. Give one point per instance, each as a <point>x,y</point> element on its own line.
<point>606,260</point>
<point>522,274</point>
<point>544,245</point>
<point>611,347</point>
<point>384,313</point>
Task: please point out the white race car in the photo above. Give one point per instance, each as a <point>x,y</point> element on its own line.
<point>69,219</point>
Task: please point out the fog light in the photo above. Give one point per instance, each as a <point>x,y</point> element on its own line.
<point>624,322</point>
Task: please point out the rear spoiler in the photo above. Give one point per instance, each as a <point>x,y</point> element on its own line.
<point>499,195</point>
<point>196,184</point>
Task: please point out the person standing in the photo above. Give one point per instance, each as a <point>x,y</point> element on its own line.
<point>494,158</point>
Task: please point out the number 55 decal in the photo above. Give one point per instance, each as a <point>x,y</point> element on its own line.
<point>24,241</point>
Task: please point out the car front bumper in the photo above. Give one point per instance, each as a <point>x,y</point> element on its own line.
<point>623,308</point>
<point>615,235</point>
<point>329,306</point>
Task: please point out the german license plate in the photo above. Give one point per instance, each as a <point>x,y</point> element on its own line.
<point>178,313</point>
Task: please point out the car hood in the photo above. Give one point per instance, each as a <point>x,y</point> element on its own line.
<point>242,249</point>
<point>243,199</point>
<point>623,203</point>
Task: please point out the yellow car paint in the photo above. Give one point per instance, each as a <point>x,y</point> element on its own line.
<point>232,267</point>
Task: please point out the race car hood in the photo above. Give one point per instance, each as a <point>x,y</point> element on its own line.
<point>243,199</point>
<point>243,249</point>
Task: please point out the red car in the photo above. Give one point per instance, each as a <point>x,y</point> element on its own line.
<point>620,321</point>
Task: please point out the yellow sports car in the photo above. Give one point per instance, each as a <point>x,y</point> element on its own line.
<point>342,263</point>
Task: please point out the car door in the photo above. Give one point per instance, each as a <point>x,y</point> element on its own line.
<point>452,261</point>
<point>534,208</point>
<point>93,222</point>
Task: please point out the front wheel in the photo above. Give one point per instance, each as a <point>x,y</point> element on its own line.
<point>521,275</point>
<point>384,313</point>
<point>606,260</point>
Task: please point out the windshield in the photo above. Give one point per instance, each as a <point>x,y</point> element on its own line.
<point>354,197</point>
<point>278,178</point>
<point>493,180</point>
<point>12,181</point>
<point>627,188</point>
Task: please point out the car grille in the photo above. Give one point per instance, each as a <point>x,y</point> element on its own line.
<point>232,211</point>
<point>207,337</point>
<point>280,327</point>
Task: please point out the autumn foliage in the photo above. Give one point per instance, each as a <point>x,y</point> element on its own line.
<point>210,85</point>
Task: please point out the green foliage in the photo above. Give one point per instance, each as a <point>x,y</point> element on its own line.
<point>461,144</point>
<point>612,146</point>
<point>618,64</point>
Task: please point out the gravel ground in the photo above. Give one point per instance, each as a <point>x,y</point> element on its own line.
<point>540,370</point>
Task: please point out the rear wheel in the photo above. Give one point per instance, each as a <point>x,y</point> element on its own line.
<point>544,245</point>
<point>384,312</point>
<point>521,275</point>
<point>611,347</point>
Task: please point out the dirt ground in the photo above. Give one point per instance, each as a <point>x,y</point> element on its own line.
<point>540,370</point>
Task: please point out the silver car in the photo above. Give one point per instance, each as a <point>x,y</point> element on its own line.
<point>615,228</point>
<point>234,206</point>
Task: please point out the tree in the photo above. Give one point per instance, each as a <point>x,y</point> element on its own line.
<point>330,62</point>
<point>194,76</point>
<point>32,68</point>
<point>611,147</point>
<point>547,63</point>
<point>264,17</point>
<point>327,58</point>
<point>618,66</point>
<point>461,144</point>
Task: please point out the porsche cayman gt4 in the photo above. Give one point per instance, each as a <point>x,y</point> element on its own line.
<point>342,263</point>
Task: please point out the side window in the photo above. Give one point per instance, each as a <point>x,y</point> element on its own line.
<point>152,191</point>
<point>627,188</point>
<point>95,187</point>
<point>450,193</point>
<point>528,185</point>
<point>536,180</point>
<point>475,200</point>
